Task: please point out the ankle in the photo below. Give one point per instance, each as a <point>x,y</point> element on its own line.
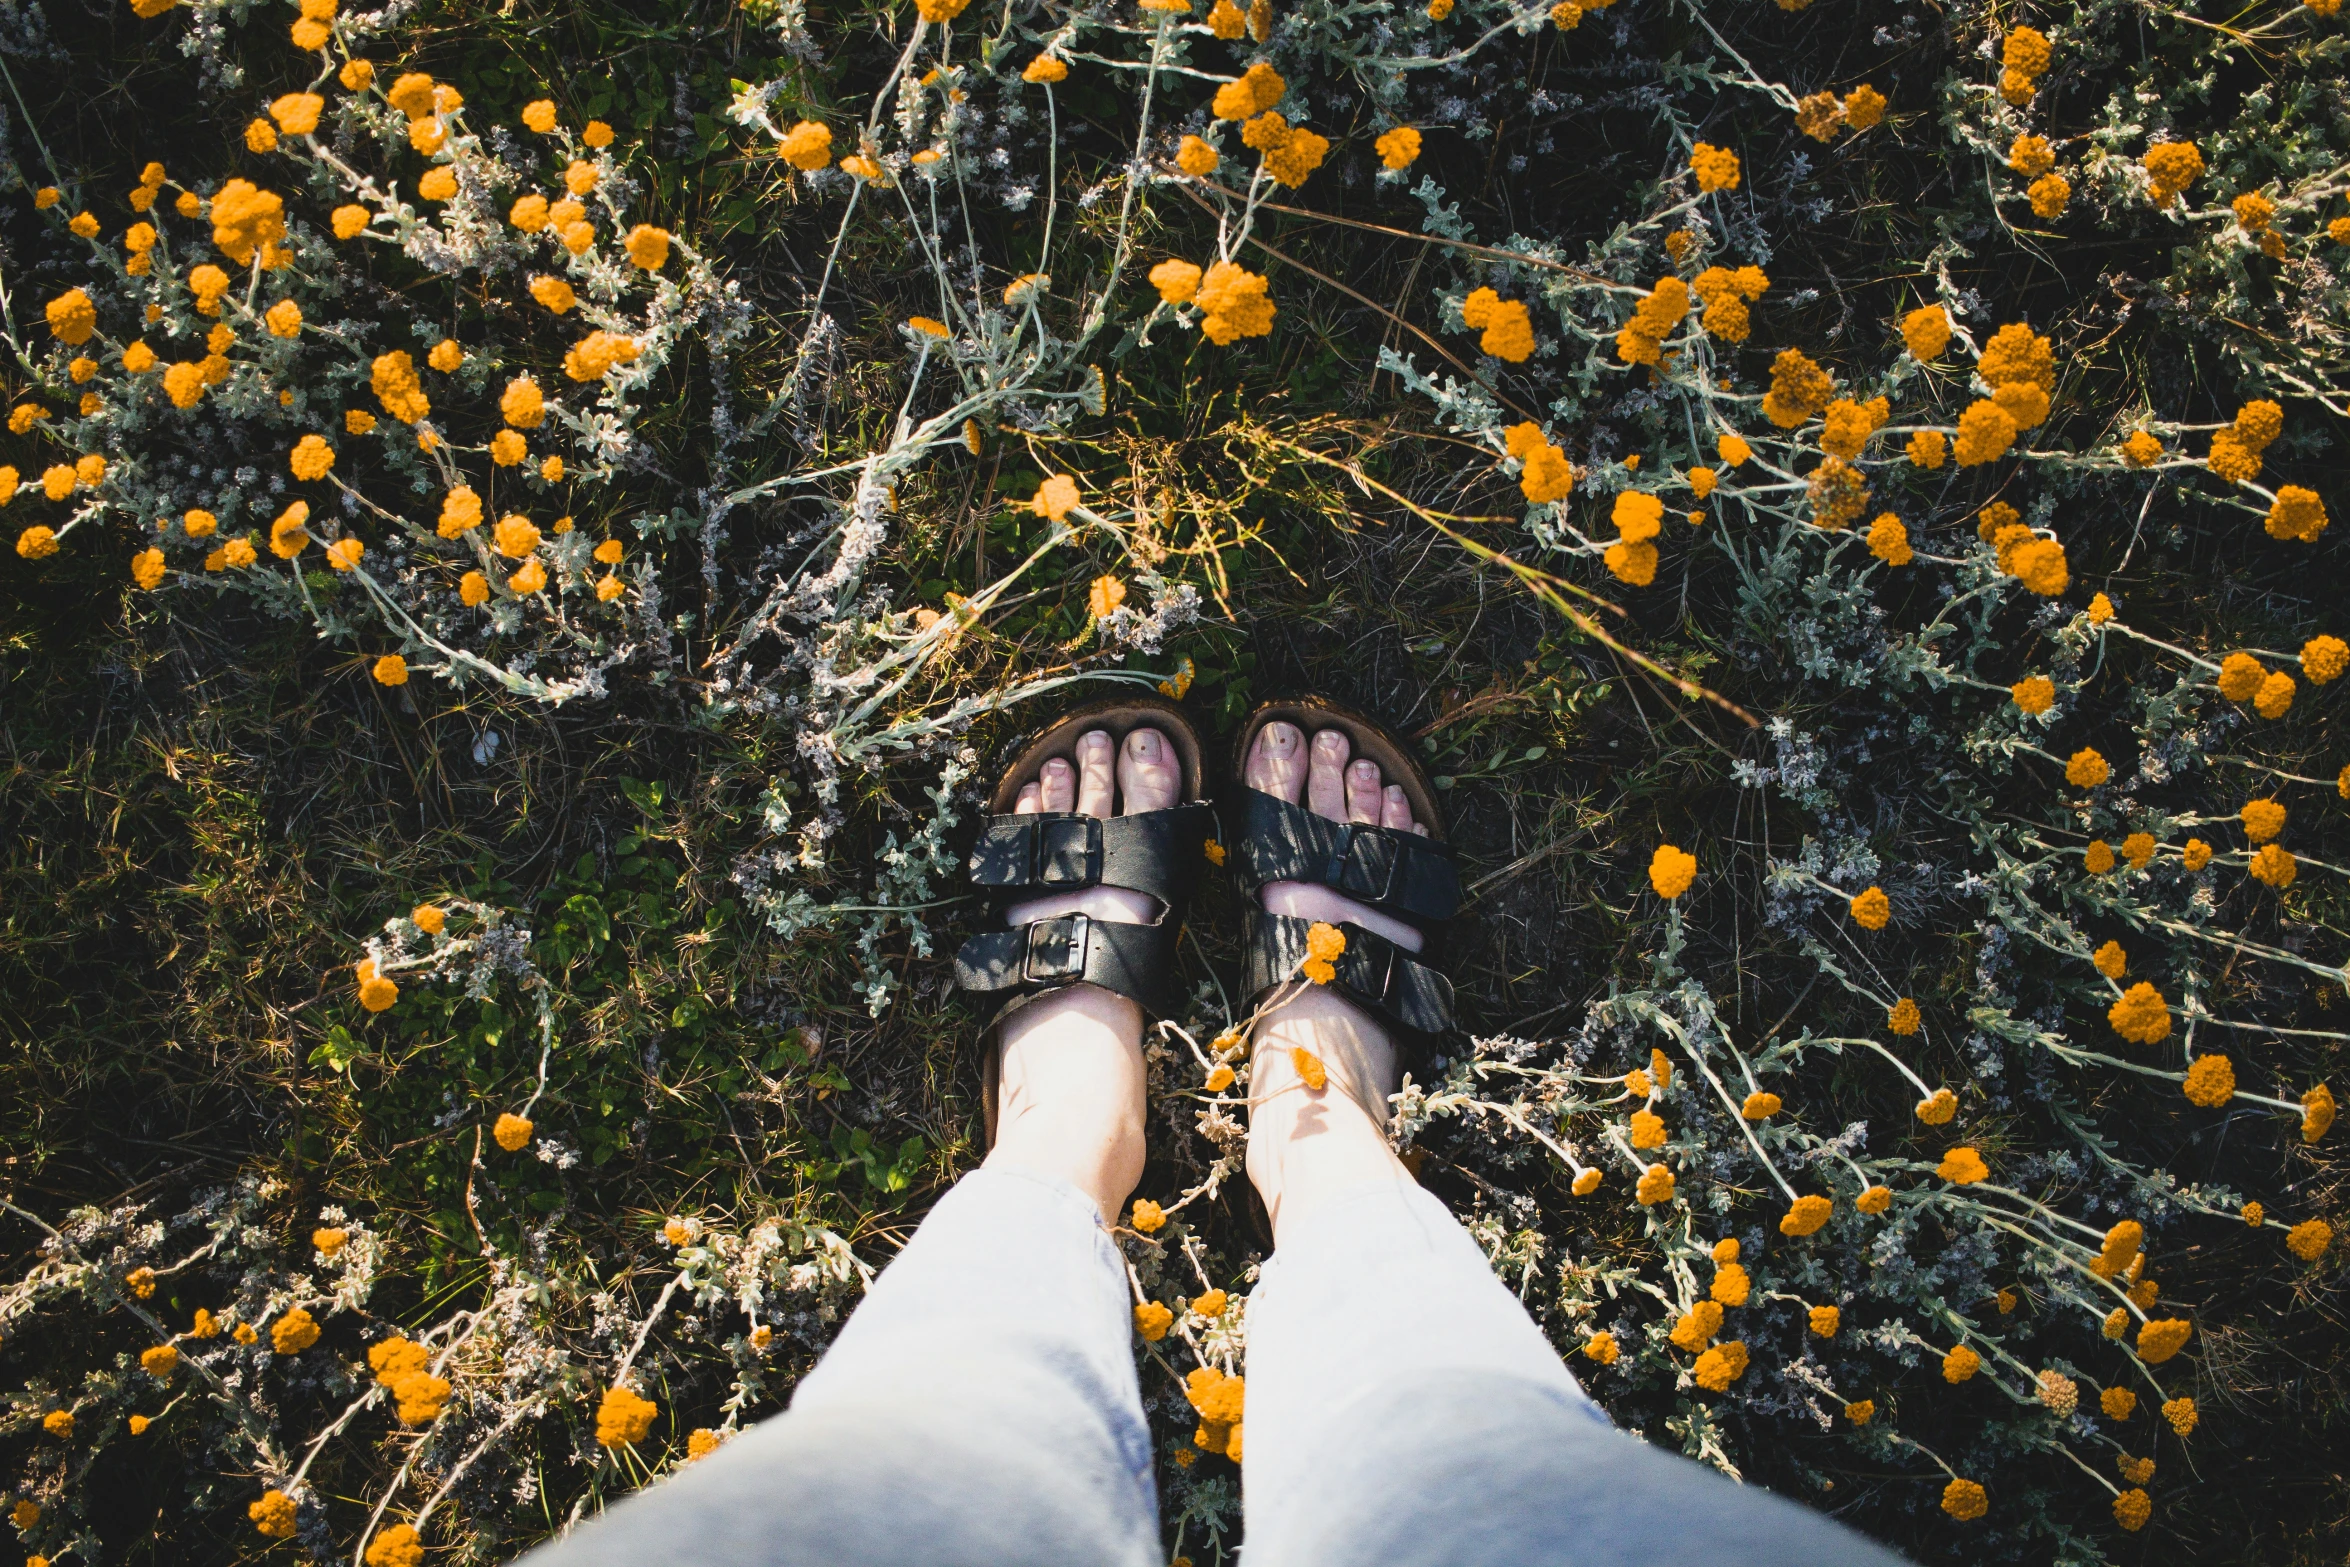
<point>1308,1144</point>
<point>1070,1094</point>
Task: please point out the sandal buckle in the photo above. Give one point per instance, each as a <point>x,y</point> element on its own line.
<point>1068,852</point>
<point>1362,862</point>
<point>1056,949</point>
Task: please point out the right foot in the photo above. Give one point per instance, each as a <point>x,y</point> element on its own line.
<point>1306,1143</point>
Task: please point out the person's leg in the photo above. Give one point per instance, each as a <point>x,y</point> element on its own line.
<point>980,1407</point>
<point>1402,1408</point>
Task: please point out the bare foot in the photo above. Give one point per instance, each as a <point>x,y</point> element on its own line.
<point>1308,1144</point>
<point>1071,1090</point>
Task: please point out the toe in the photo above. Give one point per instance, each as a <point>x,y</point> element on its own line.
<point>1326,775</point>
<point>1362,791</point>
<point>1097,757</point>
<point>1031,799</point>
<point>1149,776</point>
<point>1275,762</point>
<point>1060,785</point>
<point>1395,810</point>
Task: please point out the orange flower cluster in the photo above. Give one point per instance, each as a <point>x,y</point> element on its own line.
<point>1641,341</point>
<point>1726,293</point>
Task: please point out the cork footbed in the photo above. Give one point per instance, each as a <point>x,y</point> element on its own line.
<point>1120,716</point>
<point>1370,741</point>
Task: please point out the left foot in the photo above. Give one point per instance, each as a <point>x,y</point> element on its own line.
<point>1071,1089</point>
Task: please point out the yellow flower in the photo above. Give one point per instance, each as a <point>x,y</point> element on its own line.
<point>1046,68</point>
<point>624,1417</point>
<point>1889,541</point>
<point>1726,1250</point>
<point>595,355</point>
<point>1871,909</point>
<point>1808,1216</point>
<point>1731,1286</point>
<point>1759,1106</point>
<point>1903,1018</point>
<point>1104,596</point>
<point>597,134</point>
<point>2275,695</point>
<point>1960,1364</point>
<point>2086,769</point>
<point>1864,106</point>
<point>2296,514</point>
<point>1965,1500</point>
<point>2162,1338</point>
<point>1860,1412</point>
<point>2211,1081</point>
<point>1720,1366</point>
<point>356,74</point>
<point>512,1132</point>
<point>1219,1078</point>
<point>1670,871</point>
<point>2050,194</point>
<point>1309,1065</point>
<point>293,1333</point>
<point>1962,1167</point>
<point>529,578</point>
<point>2171,166</point>
<point>1656,1185</point>
<point>2142,449</point>
<point>297,112</point>
<point>2324,658</point>
<point>1601,1347</point>
<point>1825,1320</point>
<point>312,457</point>
<point>1148,1217</point>
<point>1258,89</point>
<point>2317,1112</point>
<point>2117,1402</point>
<point>807,146</point>
<point>1647,1129</point>
<point>1927,449</point>
<point>159,1361</point>
<point>1716,168</point>
<point>648,246</point>
<point>1937,1108</point>
<point>1586,1182</point>
<point>1398,148</point>
<point>1696,1327</point>
<point>2098,857</point>
<point>2138,849</point>
<point>1874,1199</point>
<point>147,569</point>
<point>273,1515</point>
<point>579,177</point>
<point>2274,865</point>
<point>2308,1240</point>
<point>1235,303</point>
<point>2132,1508</point>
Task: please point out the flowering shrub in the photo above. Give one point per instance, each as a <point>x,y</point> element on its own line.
<point>1889,413</point>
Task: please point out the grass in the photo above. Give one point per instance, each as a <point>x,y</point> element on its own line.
<point>211,811</point>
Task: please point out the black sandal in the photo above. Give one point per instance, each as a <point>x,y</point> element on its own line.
<point>1021,858</point>
<point>1394,870</point>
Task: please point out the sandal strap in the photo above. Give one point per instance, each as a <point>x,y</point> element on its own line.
<point>1391,869</point>
<point>1134,961</point>
<point>1158,853</point>
<point>1373,971</point>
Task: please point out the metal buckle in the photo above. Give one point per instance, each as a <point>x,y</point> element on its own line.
<point>1056,949</point>
<point>1362,864</point>
<point>1067,852</point>
<point>1367,966</point>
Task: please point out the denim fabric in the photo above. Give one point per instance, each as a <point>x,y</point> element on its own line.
<point>981,1408</point>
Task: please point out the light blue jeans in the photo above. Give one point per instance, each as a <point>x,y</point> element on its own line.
<point>981,1409</point>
